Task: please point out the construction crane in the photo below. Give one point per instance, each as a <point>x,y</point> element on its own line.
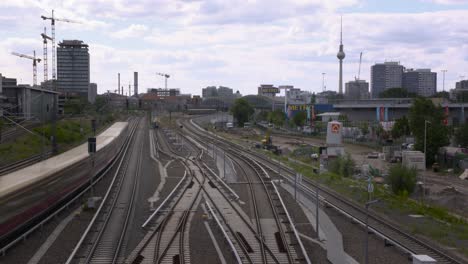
<point>45,38</point>
<point>359,71</point>
<point>165,75</point>
<point>52,23</point>
<point>35,61</point>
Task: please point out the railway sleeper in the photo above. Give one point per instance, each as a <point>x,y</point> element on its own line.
<point>244,242</point>
<point>280,243</point>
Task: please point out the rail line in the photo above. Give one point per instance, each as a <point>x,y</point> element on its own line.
<point>23,163</point>
<point>39,221</point>
<point>277,248</point>
<point>239,231</point>
<point>389,231</point>
<point>102,240</point>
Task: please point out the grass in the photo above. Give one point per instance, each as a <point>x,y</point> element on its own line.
<point>68,134</point>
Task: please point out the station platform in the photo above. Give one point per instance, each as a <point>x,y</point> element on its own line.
<point>20,179</point>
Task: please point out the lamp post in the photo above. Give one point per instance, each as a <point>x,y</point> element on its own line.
<point>425,154</point>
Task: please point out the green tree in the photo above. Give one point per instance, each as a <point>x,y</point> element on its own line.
<point>461,135</point>
<point>242,110</point>
<point>300,118</point>
<point>437,133</point>
<point>76,106</point>
<point>401,127</point>
<point>442,94</point>
<point>262,116</point>
<point>277,117</point>
<point>396,93</point>
<point>402,179</point>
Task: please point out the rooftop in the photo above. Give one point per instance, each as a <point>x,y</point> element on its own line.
<point>73,43</point>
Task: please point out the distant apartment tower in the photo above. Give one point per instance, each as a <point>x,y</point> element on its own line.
<point>385,76</point>
<point>92,93</point>
<point>422,82</point>
<point>357,90</point>
<point>73,72</point>
<point>209,91</point>
<point>463,84</point>
<point>135,84</point>
<point>225,92</point>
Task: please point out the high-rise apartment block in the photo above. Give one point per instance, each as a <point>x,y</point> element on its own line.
<point>73,68</point>
<point>357,90</point>
<point>210,91</point>
<point>422,82</point>
<point>385,76</point>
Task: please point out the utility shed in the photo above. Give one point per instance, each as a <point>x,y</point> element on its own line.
<point>414,159</point>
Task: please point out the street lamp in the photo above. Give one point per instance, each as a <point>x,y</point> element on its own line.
<point>366,253</point>
<point>425,155</point>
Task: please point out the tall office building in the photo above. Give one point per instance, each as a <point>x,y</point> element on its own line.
<point>385,76</point>
<point>209,91</point>
<point>422,82</point>
<point>73,72</point>
<point>357,90</point>
<point>225,92</point>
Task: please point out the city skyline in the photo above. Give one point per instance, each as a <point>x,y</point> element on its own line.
<point>241,44</point>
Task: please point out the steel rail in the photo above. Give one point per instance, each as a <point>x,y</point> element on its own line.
<point>93,220</point>
<point>67,204</point>
<point>429,249</point>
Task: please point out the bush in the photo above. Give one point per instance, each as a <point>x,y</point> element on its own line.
<point>342,165</point>
<point>402,179</point>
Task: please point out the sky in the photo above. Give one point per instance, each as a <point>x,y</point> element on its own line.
<point>240,43</point>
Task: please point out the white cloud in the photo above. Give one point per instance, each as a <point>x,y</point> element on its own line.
<point>447,2</point>
<point>239,43</point>
<point>133,31</point>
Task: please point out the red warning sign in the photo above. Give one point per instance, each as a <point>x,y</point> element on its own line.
<point>335,128</point>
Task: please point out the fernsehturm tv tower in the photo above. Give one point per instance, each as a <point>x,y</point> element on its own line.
<point>341,55</point>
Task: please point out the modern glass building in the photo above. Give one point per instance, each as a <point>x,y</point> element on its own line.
<point>385,76</point>
<point>73,68</point>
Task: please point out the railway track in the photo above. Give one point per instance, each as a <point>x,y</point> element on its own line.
<point>392,233</point>
<point>38,221</point>
<point>104,237</point>
<point>275,238</point>
<point>23,163</point>
<point>165,243</point>
<point>275,247</point>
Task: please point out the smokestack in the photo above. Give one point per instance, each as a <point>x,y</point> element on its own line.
<point>118,86</point>
<point>135,84</point>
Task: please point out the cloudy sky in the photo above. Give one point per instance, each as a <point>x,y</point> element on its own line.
<point>241,43</point>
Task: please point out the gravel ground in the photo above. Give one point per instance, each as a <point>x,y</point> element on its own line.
<point>354,242</point>
<point>303,226</point>
<point>202,249</point>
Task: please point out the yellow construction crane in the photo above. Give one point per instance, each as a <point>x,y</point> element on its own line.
<point>52,23</point>
<point>44,58</point>
<point>166,76</point>
<point>35,61</point>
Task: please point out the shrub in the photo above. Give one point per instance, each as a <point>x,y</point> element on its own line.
<point>342,165</point>
<point>402,179</point>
